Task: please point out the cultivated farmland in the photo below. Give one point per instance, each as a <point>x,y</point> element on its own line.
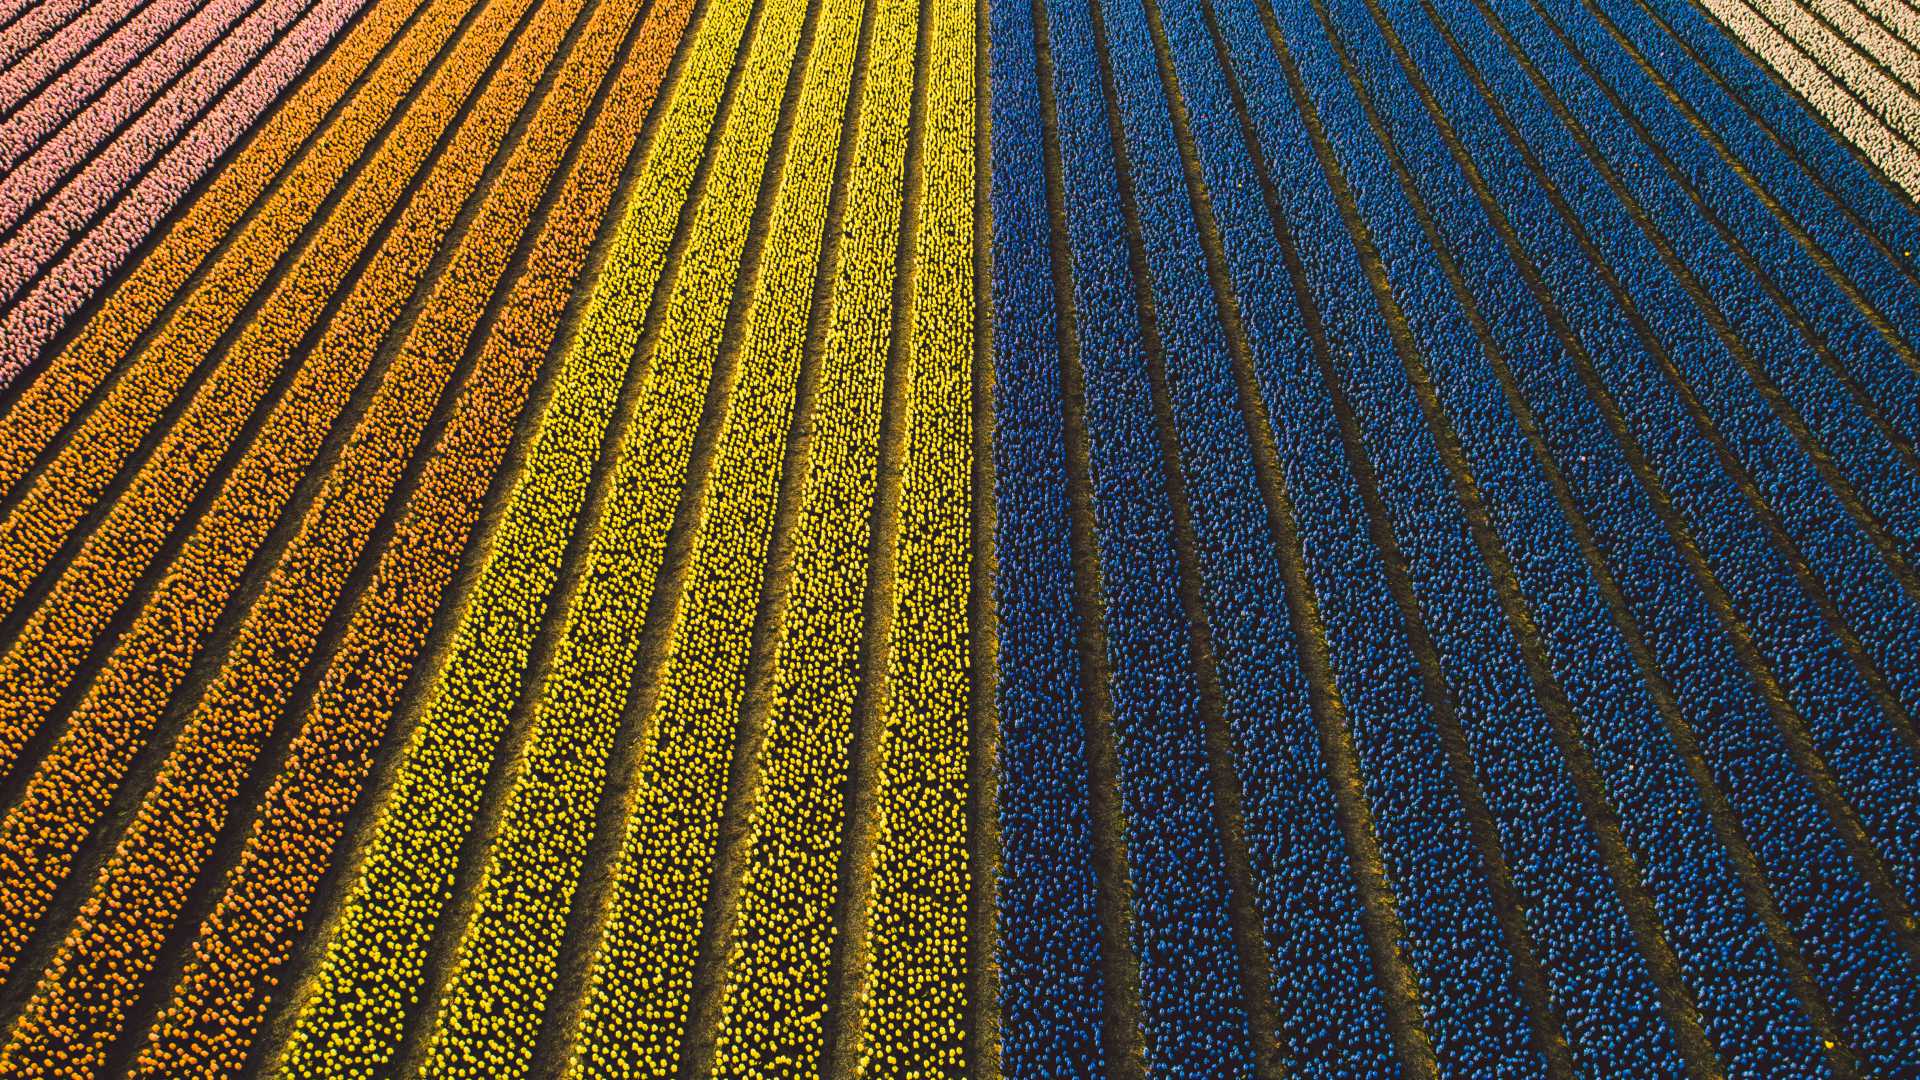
<point>1029,538</point>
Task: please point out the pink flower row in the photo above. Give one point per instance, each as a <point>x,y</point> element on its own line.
<point>28,325</point>
<point>98,63</point>
<point>33,29</point>
<point>39,158</point>
<point>104,177</point>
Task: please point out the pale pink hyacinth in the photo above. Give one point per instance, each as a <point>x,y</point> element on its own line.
<point>92,99</point>
<point>1872,39</point>
<point>29,324</point>
<point>10,11</point>
<point>22,189</point>
<point>1893,104</point>
<point>53,31</point>
<point>1902,19</point>
<point>1824,89</point>
<point>93,64</point>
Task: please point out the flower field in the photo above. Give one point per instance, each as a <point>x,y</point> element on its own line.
<point>1028,538</point>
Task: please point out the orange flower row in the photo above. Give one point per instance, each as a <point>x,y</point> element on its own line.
<point>263,352</point>
<point>278,638</point>
<point>57,637</point>
<point>73,784</point>
<point>104,958</point>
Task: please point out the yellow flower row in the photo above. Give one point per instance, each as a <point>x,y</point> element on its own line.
<point>102,965</point>
<point>506,964</point>
<point>636,1012</point>
<point>73,785</point>
<point>351,1021</point>
<point>49,401</point>
<point>915,1015</point>
<point>56,639</point>
<point>773,1008</point>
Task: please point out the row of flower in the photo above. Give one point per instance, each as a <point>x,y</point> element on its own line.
<point>1840,105</point>
<point>1622,649</point>
<point>915,1010</point>
<point>1395,711</point>
<point>241,354</point>
<point>1861,232</point>
<point>118,31</point>
<point>1052,1001</point>
<point>1617,727</point>
<point>85,89</point>
<point>1772,404</point>
<point>636,1013</point>
<point>787,938</point>
<point>1840,47</point>
<point>1192,996</point>
<point>374,965</point>
<point>507,959</point>
<point>217,1006</point>
<point>58,290</point>
<point>202,776</point>
<point>26,25</point>
<point>158,860</point>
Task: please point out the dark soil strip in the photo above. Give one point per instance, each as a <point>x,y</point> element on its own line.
<point>983,620</point>
<point>1726,821</point>
<point>1800,744</point>
<point>1508,903</point>
<point>1123,1035</point>
<point>1810,581</point>
<point>211,657</point>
